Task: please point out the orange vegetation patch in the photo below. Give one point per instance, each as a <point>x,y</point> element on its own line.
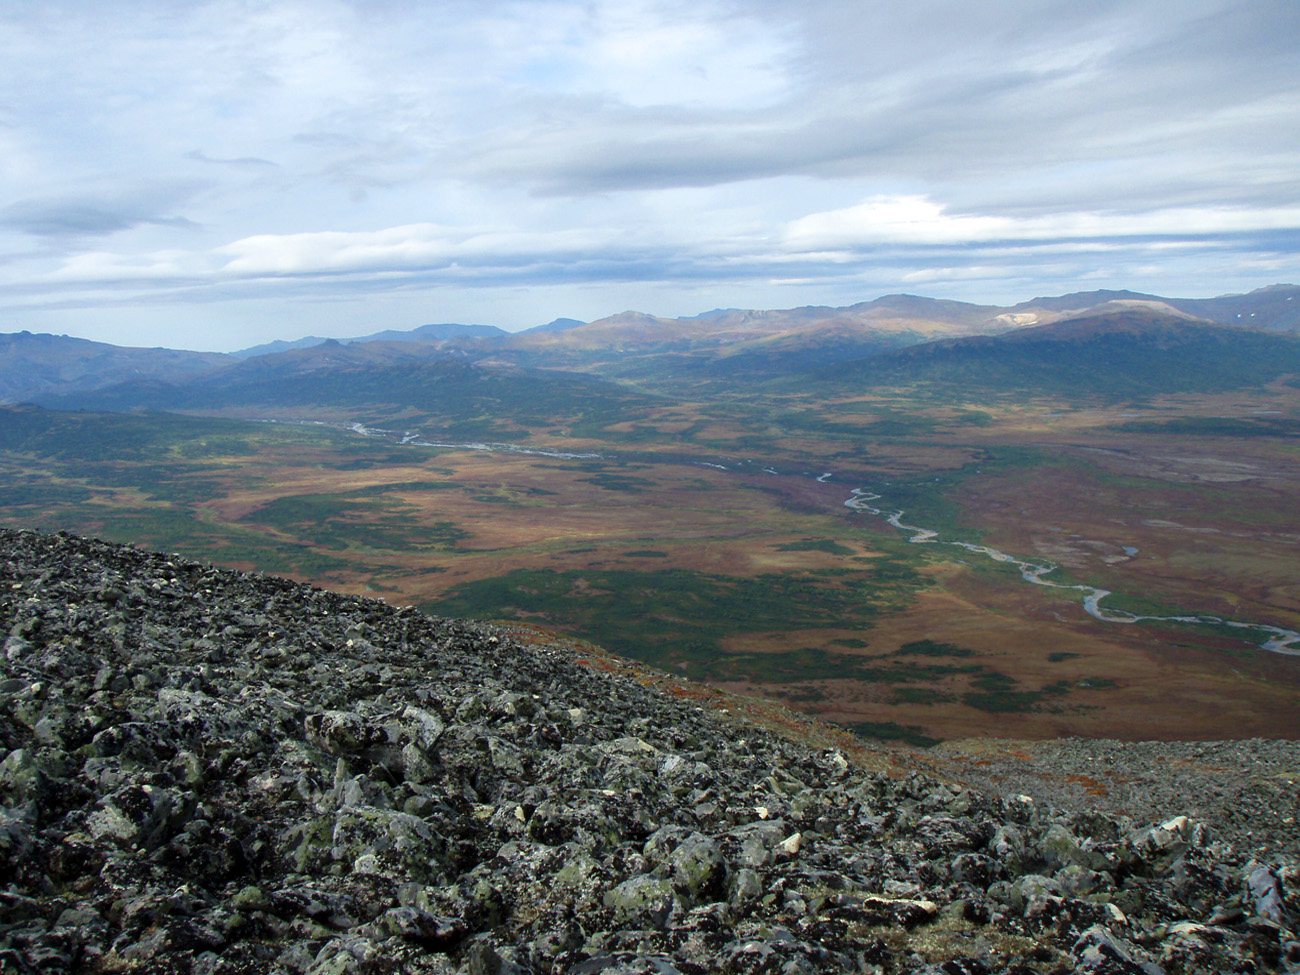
<point>693,692</point>
<point>1090,785</point>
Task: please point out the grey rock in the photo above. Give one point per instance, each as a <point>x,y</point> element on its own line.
<point>429,930</point>
<point>1265,891</point>
<point>1098,951</point>
<point>643,900</point>
<point>745,887</point>
<point>206,771</point>
<point>698,868</point>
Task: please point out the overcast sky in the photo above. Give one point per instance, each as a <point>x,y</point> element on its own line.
<point>214,175</point>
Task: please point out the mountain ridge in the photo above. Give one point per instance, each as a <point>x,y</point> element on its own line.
<point>438,332</point>
<point>1126,351</point>
<point>635,345</point>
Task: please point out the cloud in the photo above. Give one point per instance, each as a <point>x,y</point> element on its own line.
<point>198,155</point>
<point>96,215</point>
<point>919,220</point>
<point>740,150</point>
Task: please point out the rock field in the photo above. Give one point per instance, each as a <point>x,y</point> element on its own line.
<point>207,771</point>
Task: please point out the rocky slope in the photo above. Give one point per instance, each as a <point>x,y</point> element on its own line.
<point>211,772</point>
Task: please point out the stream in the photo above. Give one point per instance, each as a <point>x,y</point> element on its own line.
<point>1282,640</point>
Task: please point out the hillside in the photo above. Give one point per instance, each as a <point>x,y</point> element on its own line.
<point>442,334</point>
<point>1127,352</point>
<point>214,772</point>
<point>374,382</point>
<point>740,342</point>
<point>1275,308</point>
<point>33,365</point>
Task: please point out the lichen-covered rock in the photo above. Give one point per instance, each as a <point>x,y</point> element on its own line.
<point>208,772</point>
<point>699,870</point>
<point>642,901</point>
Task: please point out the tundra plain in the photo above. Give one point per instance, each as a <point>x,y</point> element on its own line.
<point>709,536</point>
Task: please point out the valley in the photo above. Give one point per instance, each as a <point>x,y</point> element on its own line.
<point>698,522</point>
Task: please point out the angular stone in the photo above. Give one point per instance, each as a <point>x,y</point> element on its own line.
<point>699,869</point>
<point>646,901</point>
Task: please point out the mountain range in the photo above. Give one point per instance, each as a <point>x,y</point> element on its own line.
<point>1115,350</point>
<point>1114,342</point>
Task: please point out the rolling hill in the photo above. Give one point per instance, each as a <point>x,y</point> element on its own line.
<point>370,382</point>
<point>446,332</point>
<point>35,364</point>
<point>1124,352</point>
<point>1274,308</point>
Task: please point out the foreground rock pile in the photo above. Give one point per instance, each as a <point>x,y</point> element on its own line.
<point>203,771</point>
<point>1247,791</point>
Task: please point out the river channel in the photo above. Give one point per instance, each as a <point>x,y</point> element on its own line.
<point>1280,640</point>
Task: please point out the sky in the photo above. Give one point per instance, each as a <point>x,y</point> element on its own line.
<point>212,175</point>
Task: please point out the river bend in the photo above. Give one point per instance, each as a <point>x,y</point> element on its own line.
<point>1281,640</point>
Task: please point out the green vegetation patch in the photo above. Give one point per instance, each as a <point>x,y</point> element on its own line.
<point>816,545</point>
<point>679,617</point>
<point>932,648</point>
<point>921,695</point>
<point>998,694</point>
<point>41,493</point>
<point>619,482</point>
<point>926,501</point>
<point>89,438</point>
<point>1216,426</point>
<point>357,519</point>
<point>803,694</point>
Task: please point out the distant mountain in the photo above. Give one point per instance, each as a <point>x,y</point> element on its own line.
<point>735,344</point>
<point>557,325</point>
<point>441,332</point>
<point>1124,352</point>
<point>955,313</point>
<point>280,345</point>
<point>296,375</point>
<point>863,324</point>
<point>1080,300</point>
<point>712,314</point>
<point>444,332</point>
<point>629,329</point>
<point>1275,308</point>
<point>726,344</point>
<point>34,364</point>
<point>331,354</point>
<point>375,382</point>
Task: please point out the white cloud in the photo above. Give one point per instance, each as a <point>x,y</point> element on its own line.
<point>396,247</point>
<point>647,54</point>
<point>919,220</point>
<point>973,272</point>
<point>101,267</point>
